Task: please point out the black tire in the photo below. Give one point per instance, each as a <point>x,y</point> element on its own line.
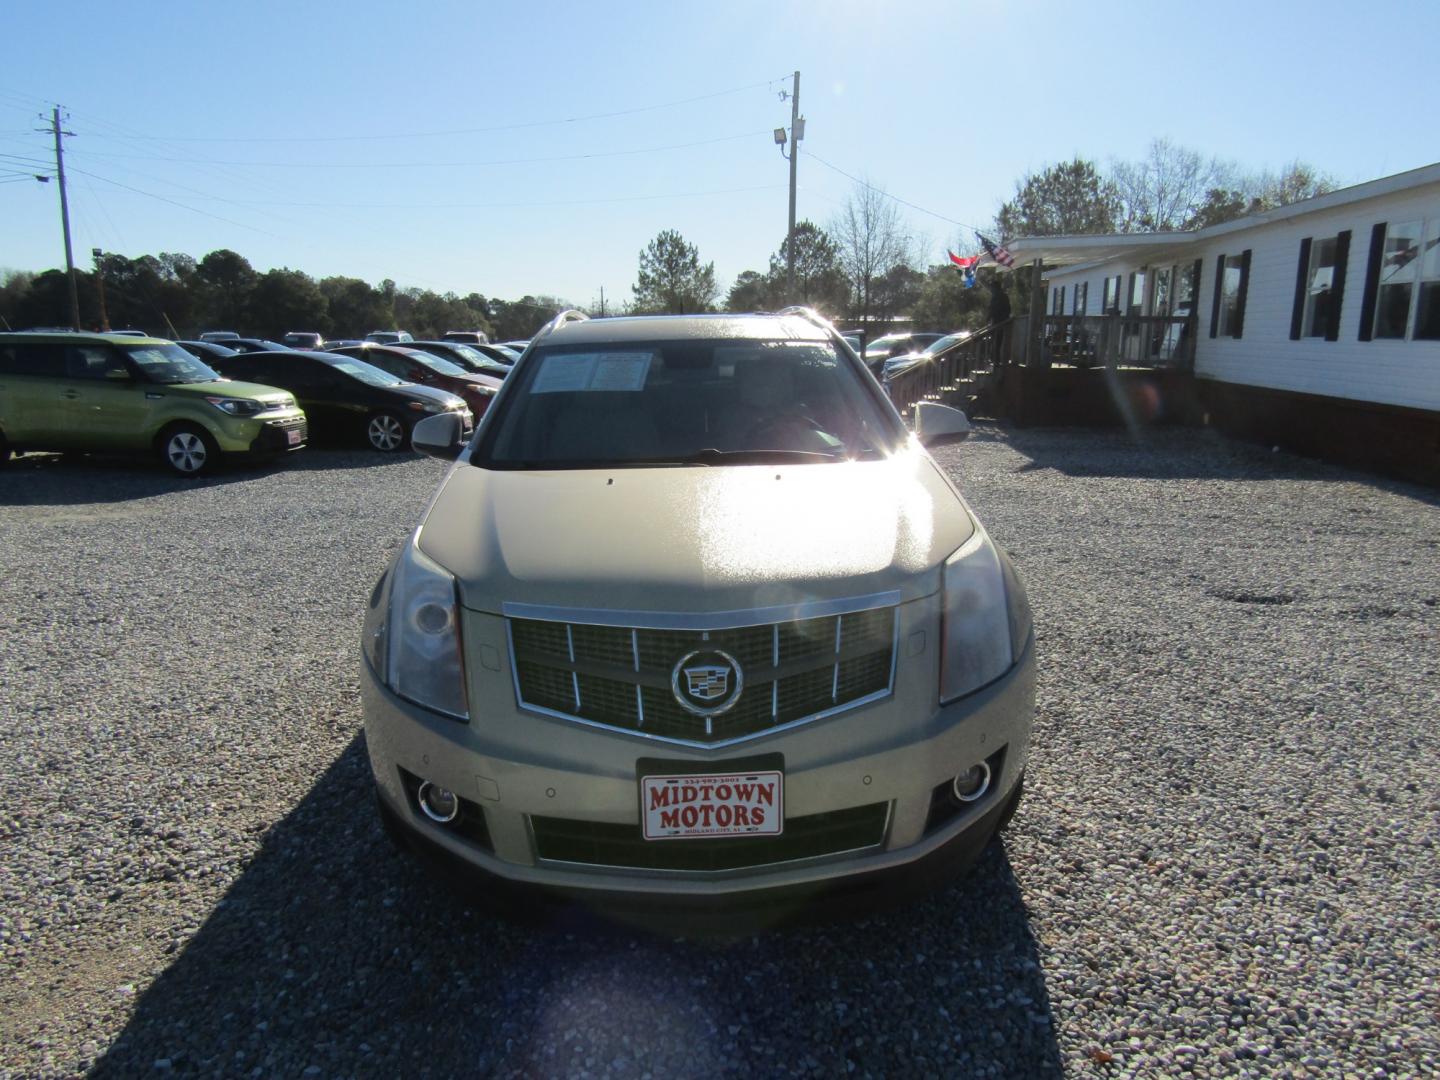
<point>188,450</point>
<point>387,432</point>
<point>4,450</point>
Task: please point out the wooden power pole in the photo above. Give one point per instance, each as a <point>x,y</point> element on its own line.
<point>65,216</point>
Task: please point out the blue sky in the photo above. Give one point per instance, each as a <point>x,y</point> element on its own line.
<point>347,138</point>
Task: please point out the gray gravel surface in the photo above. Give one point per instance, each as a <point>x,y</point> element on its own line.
<point>1225,865</point>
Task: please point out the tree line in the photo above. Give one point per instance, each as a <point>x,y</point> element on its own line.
<point>862,266</point>
<point>174,294</point>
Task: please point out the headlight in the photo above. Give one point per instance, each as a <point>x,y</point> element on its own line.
<point>426,406</point>
<point>424,662</point>
<point>237,406</point>
<point>986,619</point>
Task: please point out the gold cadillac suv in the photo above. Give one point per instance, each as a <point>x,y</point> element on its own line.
<point>694,615</point>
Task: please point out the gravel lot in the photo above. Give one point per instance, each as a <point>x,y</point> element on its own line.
<point>1226,863</point>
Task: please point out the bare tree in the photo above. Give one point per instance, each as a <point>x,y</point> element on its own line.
<point>1167,187</point>
<point>871,240</point>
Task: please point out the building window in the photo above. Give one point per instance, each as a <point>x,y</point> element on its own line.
<point>1320,305</point>
<point>1399,267</point>
<point>1320,287</point>
<point>1137,293</point>
<point>1112,294</point>
<point>1427,306</point>
<point>1232,274</point>
<point>1082,297</point>
<point>1160,301</point>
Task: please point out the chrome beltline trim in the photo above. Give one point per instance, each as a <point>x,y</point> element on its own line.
<point>715,620</point>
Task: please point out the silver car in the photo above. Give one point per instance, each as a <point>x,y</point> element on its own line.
<point>694,615</point>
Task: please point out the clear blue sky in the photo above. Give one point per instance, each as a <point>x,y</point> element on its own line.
<point>306,132</point>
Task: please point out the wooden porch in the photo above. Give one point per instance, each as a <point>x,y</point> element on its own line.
<point>1061,370</point>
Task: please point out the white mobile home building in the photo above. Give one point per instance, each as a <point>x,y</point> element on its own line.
<point>1327,311</point>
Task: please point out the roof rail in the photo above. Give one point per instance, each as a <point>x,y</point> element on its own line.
<point>809,314</point>
<point>569,315</point>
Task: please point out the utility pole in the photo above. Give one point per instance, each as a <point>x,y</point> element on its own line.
<point>65,216</point>
<point>602,301</point>
<point>100,287</point>
<point>797,132</point>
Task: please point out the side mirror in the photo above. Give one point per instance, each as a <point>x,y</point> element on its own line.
<point>936,423</point>
<point>119,375</point>
<point>442,436</point>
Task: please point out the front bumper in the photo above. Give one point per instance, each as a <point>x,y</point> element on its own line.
<point>520,773</point>
<point>262,436</point>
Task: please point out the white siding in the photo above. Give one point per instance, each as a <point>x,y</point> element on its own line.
<point>1388,372</point>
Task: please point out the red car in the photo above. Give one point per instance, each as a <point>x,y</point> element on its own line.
<point>424,368</point>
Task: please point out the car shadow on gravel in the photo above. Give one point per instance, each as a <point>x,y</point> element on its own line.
<point>60,480</point>
<point>334,953</point>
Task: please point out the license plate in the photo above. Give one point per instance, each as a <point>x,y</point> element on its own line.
<point>712,804</point>
<point>293,435</point>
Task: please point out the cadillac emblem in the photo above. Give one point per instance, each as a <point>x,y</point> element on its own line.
<point>706,682</point>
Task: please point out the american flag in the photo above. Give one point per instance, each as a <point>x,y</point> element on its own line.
<point>996,252</point>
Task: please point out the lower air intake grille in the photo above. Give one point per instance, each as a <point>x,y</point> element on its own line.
<point>597,844</point>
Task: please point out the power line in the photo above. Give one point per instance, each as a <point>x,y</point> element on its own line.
<point>893,198</point>
<point>436,164</point>
<point>460,131</point>
<point>509,205</point>
<point>172,202</point>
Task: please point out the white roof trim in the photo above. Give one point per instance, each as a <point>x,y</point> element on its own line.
<point>1090,250</point>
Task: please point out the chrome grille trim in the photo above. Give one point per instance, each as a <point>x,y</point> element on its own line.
<point>718,620</point>
<point>598,685</point>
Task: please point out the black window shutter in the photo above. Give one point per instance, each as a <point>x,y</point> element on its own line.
<point>1129,300</point>
<point>1302,275</point>
<point>1244,291</point>
<point>1337,285</point>
<point>1372,281</point>
<point>1215,300</point>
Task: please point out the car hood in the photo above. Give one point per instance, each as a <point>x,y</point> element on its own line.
<point>418,392</point>
<point>695,539</point>
<point>235,389</point>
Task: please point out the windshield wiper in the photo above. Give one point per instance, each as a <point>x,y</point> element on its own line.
<point>707,457</point>
<point>713,456</point>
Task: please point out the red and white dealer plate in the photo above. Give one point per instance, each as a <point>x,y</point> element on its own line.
<point>738,804</point>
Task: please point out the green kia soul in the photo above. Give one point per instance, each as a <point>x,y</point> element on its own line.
<point>111,392</point>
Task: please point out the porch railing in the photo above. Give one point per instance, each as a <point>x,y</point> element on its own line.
<point>1141,341</point>
<point>949,370</point>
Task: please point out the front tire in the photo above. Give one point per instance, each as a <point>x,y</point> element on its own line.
<point>188,450</point>
<point>387,433</point>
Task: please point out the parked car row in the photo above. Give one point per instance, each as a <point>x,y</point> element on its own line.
<point>195,403</point>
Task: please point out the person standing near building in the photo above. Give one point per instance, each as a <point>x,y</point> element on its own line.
<point>999,319</point>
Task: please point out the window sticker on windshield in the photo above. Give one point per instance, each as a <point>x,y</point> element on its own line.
<point>592,371</point>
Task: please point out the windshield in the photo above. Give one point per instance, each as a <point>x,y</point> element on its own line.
<point>509,353</point>
<point>945,343</point>
<point>438,363</point>
<point>478,361</point>
<point>170,364</point>
<point>687,403</point>
<point>366,373</point>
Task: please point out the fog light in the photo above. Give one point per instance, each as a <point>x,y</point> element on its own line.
<point>438,803</point>
<point>972,783</point>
